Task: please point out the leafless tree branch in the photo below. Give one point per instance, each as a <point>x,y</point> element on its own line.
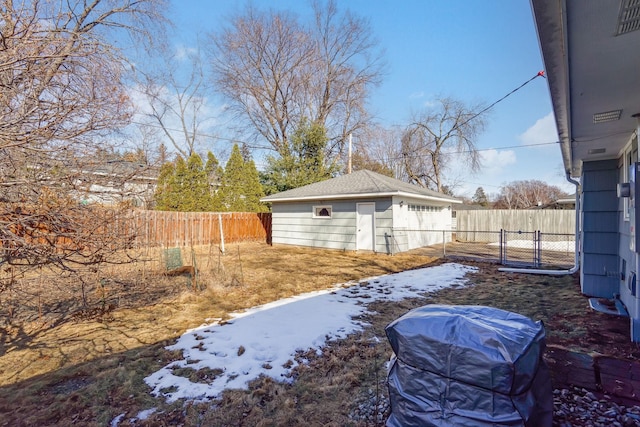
<point>277,71</point>
<point>435,136</point>
<point>61,94</point>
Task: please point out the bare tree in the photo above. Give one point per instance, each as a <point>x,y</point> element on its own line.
<point>349,65</point>
<point>526,194</point>
<point>61,93</point>
<point>276,72</point>
<point>176,102</point>
<point>256,63</point>
<point>436,137</point>
<point>378,148</point>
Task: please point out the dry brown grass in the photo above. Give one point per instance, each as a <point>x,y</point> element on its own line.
<point>87,370</point>
<point>51,328</point>
<point>329,389</point>
<point>53,337</point>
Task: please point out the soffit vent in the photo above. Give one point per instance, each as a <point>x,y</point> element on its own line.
<point>607,116</point>
<point>629,18</point>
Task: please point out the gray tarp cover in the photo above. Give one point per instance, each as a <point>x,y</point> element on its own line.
<point>468,366</point>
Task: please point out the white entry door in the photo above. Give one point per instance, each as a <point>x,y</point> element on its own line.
<point>365,236</point>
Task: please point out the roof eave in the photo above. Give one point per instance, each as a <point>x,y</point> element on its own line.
<point>359,196</point>
<point>550,22</point>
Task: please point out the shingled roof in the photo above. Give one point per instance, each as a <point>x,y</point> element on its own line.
<point>360,184</point>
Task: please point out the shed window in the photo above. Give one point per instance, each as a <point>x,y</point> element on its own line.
<point>424,208</point>
<point>322,211</point>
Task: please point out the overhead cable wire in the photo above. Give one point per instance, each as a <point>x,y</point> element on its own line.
<point>204,135</point>
<point>415,155</point>
<point>539,74</point>
<point>250,145</point>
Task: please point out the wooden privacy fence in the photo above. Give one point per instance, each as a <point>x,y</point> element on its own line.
<point>549,221</point>
<point>160,228</point>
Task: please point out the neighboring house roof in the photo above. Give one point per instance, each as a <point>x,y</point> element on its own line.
<point>590,53</point>
<point>115,181</point>
<point>466,207</point>
<point>358,185</point>
<point>568,202</point>
<point>123,169</point>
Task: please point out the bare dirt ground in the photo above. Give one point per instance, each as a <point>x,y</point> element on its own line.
<point>82,362</point>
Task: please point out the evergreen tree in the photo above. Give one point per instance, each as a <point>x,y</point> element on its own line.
<point>213,169</point>
<point>480,198</point>
<point>302,163</point>
<point>214,173</point>
<point>232,191</point>
<point>197,197</point>
<point>253,190</point>
<point>183,186</point>
<point>177,183</point>
<point>163,193</point>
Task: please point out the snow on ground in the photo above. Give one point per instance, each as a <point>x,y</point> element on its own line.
<point>263,340</point>
<point>559,246</point>
<point>142,415</point>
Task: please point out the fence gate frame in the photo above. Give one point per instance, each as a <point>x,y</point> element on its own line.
<point>536,248</point>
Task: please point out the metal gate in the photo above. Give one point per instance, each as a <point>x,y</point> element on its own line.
<point>514,248</point>
<point>535,248</point>
<point>520,248</point>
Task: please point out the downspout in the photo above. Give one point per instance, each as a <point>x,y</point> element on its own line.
<point>576,265</point>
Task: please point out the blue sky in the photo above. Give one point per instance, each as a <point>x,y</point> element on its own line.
<point>475,51</point>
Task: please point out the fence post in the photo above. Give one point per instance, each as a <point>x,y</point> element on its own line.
<point>221,233</point>
<point>538,245</point>
<point>502,248</point>
<point>535,248</point>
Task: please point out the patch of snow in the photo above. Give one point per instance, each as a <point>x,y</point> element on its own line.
<point>116,420</point>
<point>271,334</point>
<point>143,415</point>
<point>559,246</point>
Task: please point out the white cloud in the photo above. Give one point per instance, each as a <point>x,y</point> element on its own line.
<point>416,95</point>
<point>183,52</point>
<point>497,166</point>
<point>542,131</point>
<point>431,103</point>
<point>495,161</point>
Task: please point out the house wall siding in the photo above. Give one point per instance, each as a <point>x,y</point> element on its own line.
<point>294,224</point>
<point>600,273</point>
<point>626,261</point>
<point>384,225</point>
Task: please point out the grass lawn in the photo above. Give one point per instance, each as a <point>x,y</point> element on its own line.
<point>84,364</point>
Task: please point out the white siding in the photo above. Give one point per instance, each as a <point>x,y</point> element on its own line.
<point>415,220</point>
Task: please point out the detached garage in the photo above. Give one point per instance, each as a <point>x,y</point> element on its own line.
<point>361,211</point>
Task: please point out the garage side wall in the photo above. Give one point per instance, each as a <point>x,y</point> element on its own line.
<point>294,224</point>
<point>419,223</point>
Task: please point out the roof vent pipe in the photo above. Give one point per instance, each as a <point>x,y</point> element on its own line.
<point>576,265</point>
